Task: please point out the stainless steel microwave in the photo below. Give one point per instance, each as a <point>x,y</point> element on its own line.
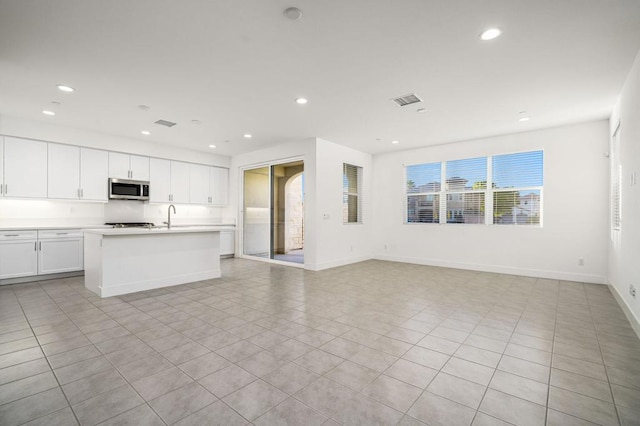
<point>126,189</point>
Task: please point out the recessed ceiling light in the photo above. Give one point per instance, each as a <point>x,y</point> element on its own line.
<point>292,13</point>
<point>490,34</point>
<point>65,88</point>
<point>523,116</point>
<point>144,107</point>
<point>301,101</point>
<point>196,122</point>
<point>145,132</point>
<point>395,142</point>
<point>47,112</point>
<point>212,146</point>
<point>421,110</point>
<point>248,136</point>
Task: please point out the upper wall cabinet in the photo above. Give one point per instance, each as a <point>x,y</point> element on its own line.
<point>199,184</point>
<point>169,181</point>
<point>77,173</point>
<point>208,185</point>
<point>24,168</point>
<point>94,174</point>
<point>125,166</point>
<point>218,186</point>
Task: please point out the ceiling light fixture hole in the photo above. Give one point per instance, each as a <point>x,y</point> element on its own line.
<point>292,13</point>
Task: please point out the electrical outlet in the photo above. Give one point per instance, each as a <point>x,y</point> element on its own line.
<point>580,262</point>
<point>632,291</point>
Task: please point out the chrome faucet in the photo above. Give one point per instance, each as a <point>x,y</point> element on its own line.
<point>168,222</point>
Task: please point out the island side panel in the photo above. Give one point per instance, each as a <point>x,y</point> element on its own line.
<point>140,262</point>
<point>93,262</point>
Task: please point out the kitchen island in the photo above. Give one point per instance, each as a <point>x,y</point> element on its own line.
<point>122,261</point>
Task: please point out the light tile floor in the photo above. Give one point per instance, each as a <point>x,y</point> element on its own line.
<point>366,344</point>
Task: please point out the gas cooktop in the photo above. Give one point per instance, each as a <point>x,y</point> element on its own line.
<point>131,224</point>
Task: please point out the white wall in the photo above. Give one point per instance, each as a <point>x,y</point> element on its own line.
<point>624,246</point>
<point>339,243</point>
<point>575,211</point>
<point>82,213</point>
<point>327,242</point>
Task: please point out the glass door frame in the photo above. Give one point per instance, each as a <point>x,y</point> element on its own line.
<point>241,208</point>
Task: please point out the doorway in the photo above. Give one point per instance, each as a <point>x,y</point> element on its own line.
<point>273,212</point>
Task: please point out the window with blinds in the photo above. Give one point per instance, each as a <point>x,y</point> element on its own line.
<point>466,182</point>
<point>351,193</point>
<point>424,183</point>
<point>500,189</point>
<point>517,181</point>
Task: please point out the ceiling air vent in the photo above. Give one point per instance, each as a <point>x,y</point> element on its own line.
<point>165,123</point>
<point>407,100</point>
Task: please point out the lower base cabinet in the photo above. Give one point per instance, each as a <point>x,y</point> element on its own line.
<point>30,253</point>
<point>227,243</point>
<point>18,254</point>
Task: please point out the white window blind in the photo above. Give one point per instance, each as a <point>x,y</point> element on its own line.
<point>616,179</point>
<point>500,189</point>
<point>351,193</point>
<point>465,188</point>
<point>424,183</point>
<point>517,182</point>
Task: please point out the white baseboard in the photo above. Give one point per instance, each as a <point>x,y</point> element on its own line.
<point>335,263</point>
<point>119,289</point>
<point>633,320</point>
<point>499,269</point>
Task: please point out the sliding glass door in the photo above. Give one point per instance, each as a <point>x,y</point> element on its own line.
<point>273,212</point>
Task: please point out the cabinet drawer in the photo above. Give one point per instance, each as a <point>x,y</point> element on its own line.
<point>18,235</point>
<point>60,233</point>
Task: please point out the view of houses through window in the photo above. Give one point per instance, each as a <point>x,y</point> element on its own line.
<point>500,189</point>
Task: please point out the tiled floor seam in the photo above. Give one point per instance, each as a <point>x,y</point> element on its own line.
<point>47,360</point>
<point>606,372</point>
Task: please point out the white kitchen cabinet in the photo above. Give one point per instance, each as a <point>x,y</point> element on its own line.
<point>60,251</point>
<point>77,173</point>
<point>218,186</point>
<point>179,182</point>
<point>199,184</point>
<point>169,181</point>
<point>63,171</point>
<point>208,185</point>
<point>1,166</point>
<point>94,174</point>
<point>159,180</point>
<point>25,168</point>
<point>227,242</point>
<point>126,166</point>
<point>18,254</point>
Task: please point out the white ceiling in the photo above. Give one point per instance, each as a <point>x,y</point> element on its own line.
<point>238,65</point>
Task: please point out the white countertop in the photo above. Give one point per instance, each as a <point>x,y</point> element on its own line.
<point>153,231</point>
<point>36,228</point>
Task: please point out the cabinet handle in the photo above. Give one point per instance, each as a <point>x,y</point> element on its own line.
<point>11,235</point>
<point>62,233</point>
<point>35,246</point>
<point>40,245</point>
<point>81,193</point>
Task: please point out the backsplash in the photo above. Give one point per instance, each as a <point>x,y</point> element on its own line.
<point>79,213</point>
